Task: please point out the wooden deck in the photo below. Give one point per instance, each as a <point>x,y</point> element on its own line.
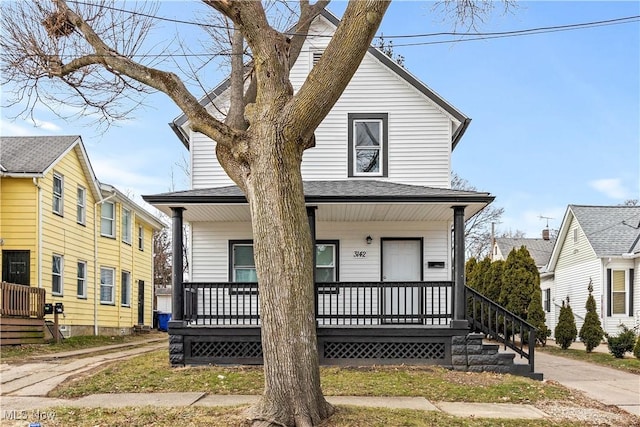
<point>21,314</point>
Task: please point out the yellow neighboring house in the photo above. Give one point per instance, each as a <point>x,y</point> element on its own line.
<point>87,244</point>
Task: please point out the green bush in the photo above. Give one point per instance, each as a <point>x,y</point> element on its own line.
<point>535,316</point>
<point>566,331</point>
<point>591,333</point>
<point>636,349</point>
<point>624,342</point>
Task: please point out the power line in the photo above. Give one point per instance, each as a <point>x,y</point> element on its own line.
<point>485,35</point>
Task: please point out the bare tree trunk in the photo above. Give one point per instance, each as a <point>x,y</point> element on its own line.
<point>284,262</point>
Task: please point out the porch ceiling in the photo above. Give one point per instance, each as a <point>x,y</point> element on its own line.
<point>353,200</point>
<point>357,212</point>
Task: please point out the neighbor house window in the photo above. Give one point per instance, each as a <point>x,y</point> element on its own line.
<point>106,285</point>
<point>81,205</point>
<point>56,274</point>
<point>125,291</point>
<point>618,292</point>
<point>547,300</point>
<point>367,136</point>
<point>58,189</point>
<point>141,238</point>
<point>126,225</point>
<point>107,219</point>
<point>82,279</point>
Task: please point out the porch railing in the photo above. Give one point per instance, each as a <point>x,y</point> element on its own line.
<point>498,323</point>
<point>337,303</point>
<point>21,301</point>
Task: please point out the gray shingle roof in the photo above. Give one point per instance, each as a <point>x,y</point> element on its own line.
<point>611,230</point>
<point>32,154</point>
<point>351,190</point>
<point>539,249</point>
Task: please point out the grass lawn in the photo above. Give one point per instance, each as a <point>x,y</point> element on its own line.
<point>629,363</point>
<point>18,352</point>
<point>151,372</point>
<point>345,416</point>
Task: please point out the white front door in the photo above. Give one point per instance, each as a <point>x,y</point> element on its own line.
<point>401,262</point>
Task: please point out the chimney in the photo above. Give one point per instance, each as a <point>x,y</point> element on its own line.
<point>545,234</point>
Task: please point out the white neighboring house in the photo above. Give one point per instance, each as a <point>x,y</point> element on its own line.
<point>597,245</point>
<point>380,204</point>
<point>539,249</point>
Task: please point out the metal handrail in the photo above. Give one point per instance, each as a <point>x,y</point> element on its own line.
<point>495,321</point>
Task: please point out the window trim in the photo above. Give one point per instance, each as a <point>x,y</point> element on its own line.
<point>239,290</point>
<point>125,288</point>
<point>112,219</point>
<point>59,274</point>
<point>126,226</point>
<point>628,278</point>
<point>55,196</point>
<point>81,205</point>
<point>82,295</point>
<point>353,118</point>
<point>112,285</point>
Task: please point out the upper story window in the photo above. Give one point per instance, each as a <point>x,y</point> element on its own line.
<point>82,205</point>
<point>140,237</point>
<point>108,219</point>
<point>58,189</point>
<point>126,225</point>
<point>368,144</point>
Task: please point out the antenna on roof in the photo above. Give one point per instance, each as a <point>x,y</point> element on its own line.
<point>545,217</point>
<point>545,232</point>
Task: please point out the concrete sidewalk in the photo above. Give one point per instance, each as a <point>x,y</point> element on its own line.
<point>121,400</point>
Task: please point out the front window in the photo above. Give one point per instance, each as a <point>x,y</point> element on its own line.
<point>58,188</point>
<point>243,265</point>
<point>107,219</point>
<point>81,205</point>
<point>125,293</point>
<point>326,262</point>
<point>82,279</point>
<point>56,275</point>
<point>367,144</point>
<point>106,285</point>
<point>126,225</point>
<point>618,292</point>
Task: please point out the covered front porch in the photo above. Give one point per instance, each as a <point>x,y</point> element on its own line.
<point>371,312</point>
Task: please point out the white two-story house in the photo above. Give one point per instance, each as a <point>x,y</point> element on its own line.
<point>381,210</point>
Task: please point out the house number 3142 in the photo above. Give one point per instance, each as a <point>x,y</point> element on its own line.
<point>359,254</point>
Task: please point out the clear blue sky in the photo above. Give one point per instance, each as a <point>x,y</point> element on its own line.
<point>556,116</point>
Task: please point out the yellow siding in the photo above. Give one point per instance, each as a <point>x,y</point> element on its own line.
<point>18,219</point>
<point>63,235</point>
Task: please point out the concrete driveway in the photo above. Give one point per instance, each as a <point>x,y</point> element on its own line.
<point>609,386</point>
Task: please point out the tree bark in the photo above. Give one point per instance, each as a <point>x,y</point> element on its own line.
<point>284,263</point>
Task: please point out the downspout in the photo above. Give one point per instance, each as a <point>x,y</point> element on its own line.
<point>39,252</point>
<point>95,262</point>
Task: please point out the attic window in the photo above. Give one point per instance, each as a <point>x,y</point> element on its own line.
<point>315,57</point>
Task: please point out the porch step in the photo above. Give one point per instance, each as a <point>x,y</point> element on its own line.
<point>21,330</point>
<point>141,329</point>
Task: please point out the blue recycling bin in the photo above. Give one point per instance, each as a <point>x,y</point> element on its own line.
<point>163,321</point>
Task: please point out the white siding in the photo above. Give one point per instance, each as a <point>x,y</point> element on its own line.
<point>419,132</point>
<point>210,247</point>
<point>577,265</point>
<point>210,261</point>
